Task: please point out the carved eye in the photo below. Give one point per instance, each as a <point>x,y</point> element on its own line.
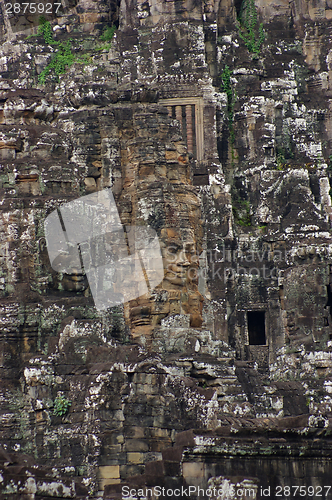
<point>189,249</point>
<point>173,249</point>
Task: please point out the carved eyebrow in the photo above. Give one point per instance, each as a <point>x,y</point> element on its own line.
<point>175,245</point>
<point>189,246</point>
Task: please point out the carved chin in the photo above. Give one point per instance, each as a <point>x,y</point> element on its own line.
<point>74,283</point>
<point>176,280</point>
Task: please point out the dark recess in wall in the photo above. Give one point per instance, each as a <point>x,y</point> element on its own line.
<point>114,10</point>
<point>238,5</point>
<point>256,327</point>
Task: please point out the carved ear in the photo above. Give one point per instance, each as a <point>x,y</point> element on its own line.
<point>64,257</point>
<point>90,216</point>
<point>116,277</point>
<point>82,219</point>
<point>144,241</point>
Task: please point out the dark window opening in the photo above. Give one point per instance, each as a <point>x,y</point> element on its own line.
<point>256,327</point>
<point>268,151</point>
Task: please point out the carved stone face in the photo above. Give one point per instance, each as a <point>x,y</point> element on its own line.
<point>180,258</point>
<point>74,282</point>
<point>178,293</point>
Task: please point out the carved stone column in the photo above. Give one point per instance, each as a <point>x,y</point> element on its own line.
<point>189,129</point>
<point>178,114</point>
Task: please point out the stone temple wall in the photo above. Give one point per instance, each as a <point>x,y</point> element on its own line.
<point>222,375</point>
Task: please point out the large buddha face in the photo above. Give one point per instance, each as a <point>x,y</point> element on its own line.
<point>180,258</point>
<point>178,293</point>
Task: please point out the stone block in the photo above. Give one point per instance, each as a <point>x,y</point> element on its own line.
<point>171,155</point>
<point>134,432</point>
<point>146,421</point>
<point>136,445</point>
<point>185,438</point>
<point>131,470</point>
<point>159,444</point>
<point>135,458</point>
<point>173,174</point>
<point>109,472</point>
<point>161,170</point>
<point>114,450</point>
<point>193,470</point>
<point>159,433</point>
<point>151,378</point>
<point>113,491</point>
<point>90,17</point>
<point>138,378</point>
<point>7,154</point>
<point>159,421</point>
<point>107,459</point>
<point>172,469</point>
<point>146,170</point>
<point>104,482</point>
<point>155,468</point>
<point>152,390</point>
<point>173,454</point>
<point>157,409</point>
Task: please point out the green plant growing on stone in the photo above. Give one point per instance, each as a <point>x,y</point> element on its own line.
<point>227,87</point>
<point>263,228</point>
<point>62,60</point>
<point>61,406</point>
<point>281,162</point>
<point>63,57</point>
<point>242,213</point>
<point>107,36</point>
<point>45,29</point>
<point>252,35</point>
<point>281,158</point>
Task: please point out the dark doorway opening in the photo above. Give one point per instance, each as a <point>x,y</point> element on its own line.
<point>256,327</point>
